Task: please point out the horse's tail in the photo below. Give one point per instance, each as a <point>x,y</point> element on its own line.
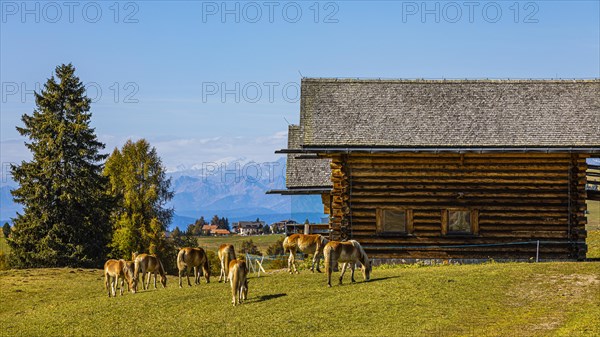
<point>226,260</point>
<point>206,267</point>
<point>106,277</point>
<point>181,259</point>
<point>136,268</point>
<point>322,243</point>
<point>327,252</point>
<point>285,244</point>
<point>234,279</point>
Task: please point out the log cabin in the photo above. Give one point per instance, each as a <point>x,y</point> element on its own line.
<point>449,169</point>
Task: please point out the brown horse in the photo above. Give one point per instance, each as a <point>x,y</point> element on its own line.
<point>119,269</point>
<point>238,277</point>
<point>226,255</point>
<point>349,252</point>
<point>149,264</point>
<point>306,243</point>
<point>188,258</point>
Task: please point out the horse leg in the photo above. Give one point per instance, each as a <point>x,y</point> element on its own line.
<point>155,272</point>
<point>317,260</point>
<point>329,269</point>
<point>107,282</point>
<point>293,257</point>
<point>148,274</point>
<point>291,261</point>
<point>206,270</point>
<point>122,285</point>
<point>344,266</point>
<point>352,265</point>
<point>143,279</point>
<point>113,286</point>
<point>222,271</point>
<point>187,273</point>
<point>180,272</point>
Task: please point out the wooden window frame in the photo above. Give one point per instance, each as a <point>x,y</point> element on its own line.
<point>408,213</point>
<point>474,217</point>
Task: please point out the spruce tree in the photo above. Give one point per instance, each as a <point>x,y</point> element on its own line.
<point>62,190</point>
<point>141,189</point>
<point>6,230</point>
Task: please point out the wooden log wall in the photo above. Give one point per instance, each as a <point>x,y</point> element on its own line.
<point>518,197</point>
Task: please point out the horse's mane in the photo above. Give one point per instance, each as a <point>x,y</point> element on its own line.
<point>364,259</point>
<point>162,269</point>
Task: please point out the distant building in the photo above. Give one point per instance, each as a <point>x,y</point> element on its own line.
<point>248,227</point>
<point>313,228</point>
<point>207,229</point>
<point>221,232</point>
<point>213,230</point>
<point>280,226</point>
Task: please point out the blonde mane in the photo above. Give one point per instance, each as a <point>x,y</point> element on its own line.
<point>364,259</point>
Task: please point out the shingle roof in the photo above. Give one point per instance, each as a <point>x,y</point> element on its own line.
<point>453,113</point>
<point>305,172</point>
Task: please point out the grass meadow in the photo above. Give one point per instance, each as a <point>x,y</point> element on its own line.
<point>261,241</point>
<point>492,299</point>
<point>593,215</point>
<point>508,299</point>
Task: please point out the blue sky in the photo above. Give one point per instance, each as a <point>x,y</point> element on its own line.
<point>172,60</point>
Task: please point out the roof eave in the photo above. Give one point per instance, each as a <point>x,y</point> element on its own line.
<point>533,149</point>
<point>302,190</point>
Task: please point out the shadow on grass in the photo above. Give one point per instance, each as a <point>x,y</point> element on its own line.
<point>266,298</point>
<point>367,282</point>
<point>383,278</point>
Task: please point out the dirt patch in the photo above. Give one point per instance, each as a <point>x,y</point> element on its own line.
<point>540,288</point>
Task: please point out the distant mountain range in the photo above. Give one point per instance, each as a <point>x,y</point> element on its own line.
<point>235,190</point>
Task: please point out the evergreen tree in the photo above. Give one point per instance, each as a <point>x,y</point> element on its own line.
<point>64,220</point>
<point>266,229</point>
<point>177,237</point>
<point>6,230</point>
<point>139,185</point>
<point>223,223</point>
<point>201,222</point>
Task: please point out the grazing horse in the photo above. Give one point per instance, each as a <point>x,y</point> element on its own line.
<point>149,264</point>
<point>119,269</point>
<point>349,252</point>
<point>226,255</point>
<point>188,258</point>
<point>238,277</point>
<point>306,243</point>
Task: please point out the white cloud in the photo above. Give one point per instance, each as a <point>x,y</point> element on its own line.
<point>180,152</point>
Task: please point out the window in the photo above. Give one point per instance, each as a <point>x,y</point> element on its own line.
<point>460,221</point>
<point>394,221</point>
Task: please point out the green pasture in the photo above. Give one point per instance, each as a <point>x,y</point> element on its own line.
<point>261,241</point>
<point>511,299</point>
<point>593,216</point>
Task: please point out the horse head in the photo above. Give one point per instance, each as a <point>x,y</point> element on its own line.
<point>132,281</point>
